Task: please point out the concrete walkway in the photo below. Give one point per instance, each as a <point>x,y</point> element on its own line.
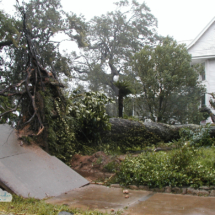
<point>105,199</point>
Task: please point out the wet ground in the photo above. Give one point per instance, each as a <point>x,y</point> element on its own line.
<point>136,202</point>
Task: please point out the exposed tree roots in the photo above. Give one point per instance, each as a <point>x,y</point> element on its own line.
<point>27,92</point>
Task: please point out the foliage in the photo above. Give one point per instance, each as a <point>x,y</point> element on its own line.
<point>23,206</point>
<point>133,138</point>
<point>9,30</point>
<point>113,38</point>
<point>198,137</point>
<point>91,119</point>
<point>59,132</point>
<point>124,88</point>
<point>45,19</point>
<point>76,125</point>
<point>170,88</point>
<point>212,102</point>
<point>10,118</point>
<point>111,166</point>
<point>180,167</point>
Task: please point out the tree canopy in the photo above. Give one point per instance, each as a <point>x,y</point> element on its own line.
<point>170,90</point>
<point>113,38</point>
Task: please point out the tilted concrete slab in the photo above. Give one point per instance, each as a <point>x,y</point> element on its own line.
<point>31,172</point>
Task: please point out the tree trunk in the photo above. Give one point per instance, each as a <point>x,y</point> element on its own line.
<point>120,103</point>
<point>123,129</point>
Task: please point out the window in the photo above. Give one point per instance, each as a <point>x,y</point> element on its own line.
<point>203,103</point>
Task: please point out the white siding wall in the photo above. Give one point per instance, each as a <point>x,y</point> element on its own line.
<point>203,51</point>
<point>205,46</point>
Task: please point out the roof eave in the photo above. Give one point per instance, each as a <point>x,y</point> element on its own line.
<point>201,33</point>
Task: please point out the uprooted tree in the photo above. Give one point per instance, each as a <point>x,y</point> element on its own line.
<point>34,93</point>
<point>30,91</point>
<point>61,123</point>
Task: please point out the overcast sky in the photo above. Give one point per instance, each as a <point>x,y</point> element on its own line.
<point>182,19</point>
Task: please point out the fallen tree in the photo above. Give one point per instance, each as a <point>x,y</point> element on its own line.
<point>126,132</point>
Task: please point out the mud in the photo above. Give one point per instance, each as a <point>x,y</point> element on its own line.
<point>93,167</point>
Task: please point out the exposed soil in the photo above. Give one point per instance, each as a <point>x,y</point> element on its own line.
<point>97,167</point>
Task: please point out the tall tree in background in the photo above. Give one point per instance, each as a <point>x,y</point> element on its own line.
<point>170,87</point>
<point>124,90</point>
<point>113,39</point>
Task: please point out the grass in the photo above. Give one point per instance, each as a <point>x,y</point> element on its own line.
<point>31,206</point>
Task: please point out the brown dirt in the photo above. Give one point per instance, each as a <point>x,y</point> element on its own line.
<point>93,167</point>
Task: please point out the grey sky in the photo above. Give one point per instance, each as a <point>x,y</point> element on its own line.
<point>182,19</point>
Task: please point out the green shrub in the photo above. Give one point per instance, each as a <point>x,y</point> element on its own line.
<point>59,133</point>
<point>111,166</point>
<point>88,110</point>
<point>180,167</point>
<point>198,137</point>
<point>74,124</point>
<point>132,139</point>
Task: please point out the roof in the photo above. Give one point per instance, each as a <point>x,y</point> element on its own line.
<point>201,33</point>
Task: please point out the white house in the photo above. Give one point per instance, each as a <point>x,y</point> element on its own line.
<point>202,49</point>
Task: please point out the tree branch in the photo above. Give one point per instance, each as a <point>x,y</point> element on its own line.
<point>12,86</point>
<point>6,43</point>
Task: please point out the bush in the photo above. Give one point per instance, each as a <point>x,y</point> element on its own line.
<point>131,139</point>
<point>198,137</point>
<point>91,119</point>
<point>75,124</point>
<point>180,167</point>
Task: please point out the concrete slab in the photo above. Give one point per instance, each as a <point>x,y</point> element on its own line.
<point>105,199</point>
<point>30,171</point>
<point>164,204</point>
<point>7,140</point>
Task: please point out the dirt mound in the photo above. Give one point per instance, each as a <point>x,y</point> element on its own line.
<point>98,166</point>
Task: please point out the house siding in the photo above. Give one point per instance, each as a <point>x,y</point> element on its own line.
<point>205,46</point>
<point>202,50</point>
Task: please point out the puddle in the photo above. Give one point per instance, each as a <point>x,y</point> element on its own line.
<point>164,204</point>
<point>101,198</point>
